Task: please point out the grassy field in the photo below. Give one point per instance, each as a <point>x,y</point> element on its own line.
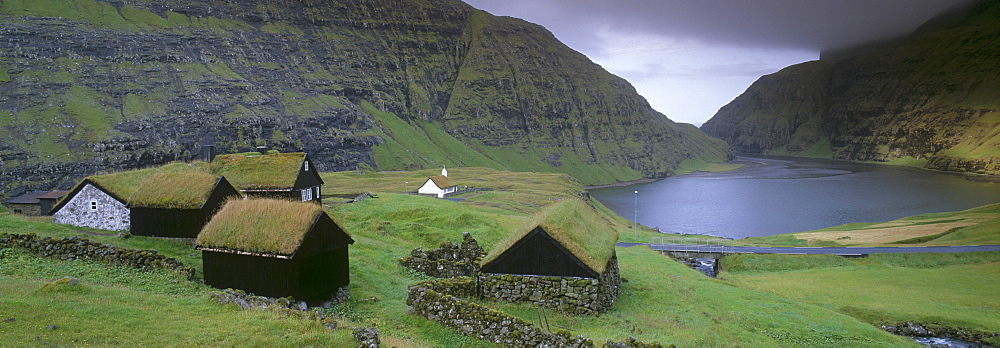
<point>969,227</point>
<point>113,306</point>
<point>936,290</point>
<point>662,300</point>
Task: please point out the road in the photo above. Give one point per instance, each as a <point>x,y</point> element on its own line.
<point>815,250</point>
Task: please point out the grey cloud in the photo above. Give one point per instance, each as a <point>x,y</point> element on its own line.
<point>811,24</point>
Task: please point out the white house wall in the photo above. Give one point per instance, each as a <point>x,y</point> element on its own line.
<point>109,215</point>
<point>430,188</point>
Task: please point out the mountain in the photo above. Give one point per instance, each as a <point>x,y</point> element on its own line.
<point>88,86</point>
<point>931,100</point>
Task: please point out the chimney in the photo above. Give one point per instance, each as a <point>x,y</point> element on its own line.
<point>263,149</point>
<point>208,153</point>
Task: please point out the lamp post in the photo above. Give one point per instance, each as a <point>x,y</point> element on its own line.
<point>635,218</point>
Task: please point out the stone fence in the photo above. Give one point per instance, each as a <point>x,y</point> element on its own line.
<point>73,248</point>
<point>449,260</point>
<point>434,300</point>
<point>575,296</point>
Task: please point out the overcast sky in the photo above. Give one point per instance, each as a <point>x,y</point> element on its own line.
<point>691,57</point>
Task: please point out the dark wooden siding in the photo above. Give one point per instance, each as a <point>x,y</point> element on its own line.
<point>308,178</point>
<point>46,205</point>
<point>264,276</point>
<point>223,191</point>
<point>318,268</point>
<point>290,195</point>
<point>539,254</point>
<point>159,222</point>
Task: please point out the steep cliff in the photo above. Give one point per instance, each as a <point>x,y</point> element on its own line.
<point>90,85</point>
<point>931,100</point>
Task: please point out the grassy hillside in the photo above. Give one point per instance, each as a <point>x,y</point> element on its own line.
<point>396,85</point>
<point>661,301</point>
<point>926,101</point>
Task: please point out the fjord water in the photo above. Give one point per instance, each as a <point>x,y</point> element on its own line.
<point>775,195</point>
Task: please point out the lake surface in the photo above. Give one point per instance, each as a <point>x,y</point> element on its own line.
<point>775,195</point>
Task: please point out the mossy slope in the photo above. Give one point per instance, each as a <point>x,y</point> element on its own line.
<point>927,101</point>
<point>90,85</point>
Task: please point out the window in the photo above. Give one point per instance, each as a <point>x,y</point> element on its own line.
<point>307,165</point>
<point>93,205</point>
<point>307,194</point>
<point>316,194</point>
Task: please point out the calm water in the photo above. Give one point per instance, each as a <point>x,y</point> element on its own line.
<point>781,195</point>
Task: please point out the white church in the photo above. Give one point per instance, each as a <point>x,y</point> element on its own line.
<point>439,186</point>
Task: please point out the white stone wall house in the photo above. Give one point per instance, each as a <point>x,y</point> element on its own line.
<point>91,206</point>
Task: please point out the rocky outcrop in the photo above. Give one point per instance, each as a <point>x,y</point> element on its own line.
<point>108,84</point>
<point>928,100</point>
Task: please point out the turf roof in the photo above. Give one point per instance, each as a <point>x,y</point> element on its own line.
<point>255,171</point>
<point>269,226</point>
<point>175,190</point>
<point>442,181</point>
<point>125,184</point>
<point>577,226</point>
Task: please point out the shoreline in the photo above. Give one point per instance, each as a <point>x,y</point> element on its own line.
<point>622,183</point>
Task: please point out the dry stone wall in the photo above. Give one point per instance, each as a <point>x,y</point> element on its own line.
<point>73,248</point>
<point>436,300</point>
<point>450,260</point>
<point>577,296</point>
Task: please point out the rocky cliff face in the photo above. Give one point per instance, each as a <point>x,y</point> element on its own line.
<point>89,85</point>
<point>931,100</point>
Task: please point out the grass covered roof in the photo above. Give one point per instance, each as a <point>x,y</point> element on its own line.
<point>255,171</point>
<point>175,190</point>
<point>124,184</point>
<point>269,226</point>
<point>577,226</point>
<point>442,181</point>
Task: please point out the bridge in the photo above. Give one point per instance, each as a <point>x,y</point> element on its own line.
<point>717,250</point>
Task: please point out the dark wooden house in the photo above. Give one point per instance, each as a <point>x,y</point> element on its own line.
<point>177,204</point>
<point>277,175</point>
<point>568,239</point>
<point>35,203</point>
<point>275,248</point>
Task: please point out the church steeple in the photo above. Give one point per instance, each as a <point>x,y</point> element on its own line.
<point>444,172</point>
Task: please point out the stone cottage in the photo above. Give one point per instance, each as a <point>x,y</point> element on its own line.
<point>564,258</point>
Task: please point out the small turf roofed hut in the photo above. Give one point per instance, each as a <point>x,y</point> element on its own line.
<point>276,175</point>
<point>275,248</point>
<point>568,240</point>
<point>177,204</point>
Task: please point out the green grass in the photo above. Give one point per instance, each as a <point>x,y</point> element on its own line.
<point>661,301</point>
<point>940,290</point>
<point>175,190</point>
<point>666,302</point>
<point>976,226</point>
<point>113,306</point>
